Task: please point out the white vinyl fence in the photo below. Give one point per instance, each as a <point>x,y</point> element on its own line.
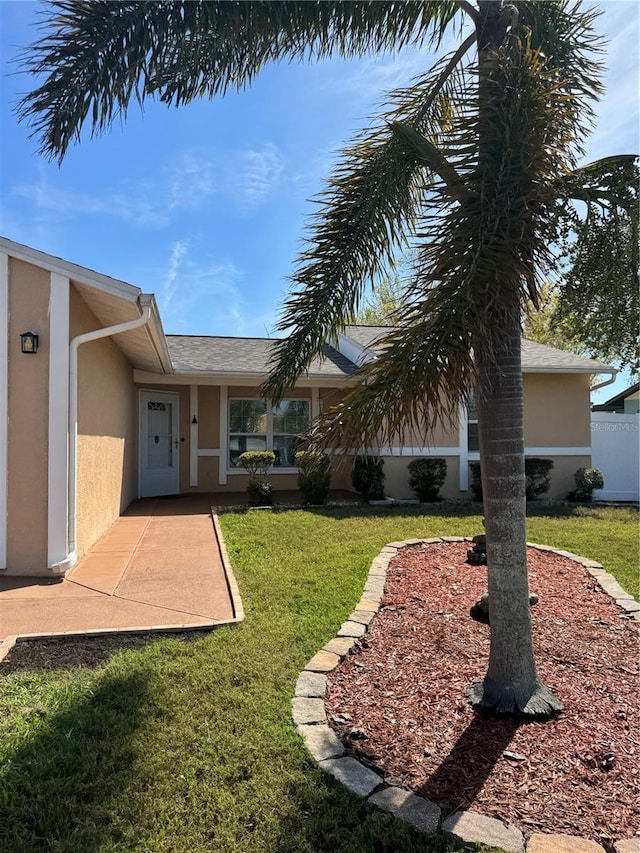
<point>615,446</point>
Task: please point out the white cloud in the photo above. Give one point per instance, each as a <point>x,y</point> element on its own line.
<point>168,289</point>
<point>151,200</point>
<point>200,295</point>
<point>191,180</point>
<point>259,170</point>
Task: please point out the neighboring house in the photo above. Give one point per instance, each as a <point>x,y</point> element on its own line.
<point>627,402</point>
<point>110,408</point>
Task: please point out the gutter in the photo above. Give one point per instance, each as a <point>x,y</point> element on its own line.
<point>145,301</point>
<point>612,378</point>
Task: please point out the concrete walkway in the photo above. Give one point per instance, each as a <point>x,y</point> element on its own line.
<point>159,566</point>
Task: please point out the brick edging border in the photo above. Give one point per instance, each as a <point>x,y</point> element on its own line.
<point>310,719</point>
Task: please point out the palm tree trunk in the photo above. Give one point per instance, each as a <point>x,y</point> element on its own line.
<point>511,683</point>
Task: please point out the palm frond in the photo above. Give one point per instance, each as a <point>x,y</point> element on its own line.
<point>563,31</point>
<point>368,213</point>
<point>423,370</point>
<point>608,182</point>
<point>96,55</point>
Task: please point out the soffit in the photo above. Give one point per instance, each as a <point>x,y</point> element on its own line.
<point>137,344</point>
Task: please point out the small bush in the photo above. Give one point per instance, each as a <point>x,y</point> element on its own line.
<point>259,492</point>
<point>314,476</point>
<point>587,480</point>
<point>476,481</point>
<point>367,477</point>
<point>426,477</point>
<point>537,475</point>
<point>537,479</point>
<point>257,463</point>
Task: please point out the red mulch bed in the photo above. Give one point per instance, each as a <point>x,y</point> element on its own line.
<point>399,702</point>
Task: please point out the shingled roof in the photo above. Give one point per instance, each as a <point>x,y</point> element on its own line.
<point>203,354</point>
<point>251,356</point>
<point>536,358</point>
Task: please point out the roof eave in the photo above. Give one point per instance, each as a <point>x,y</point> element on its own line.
<point>72,271</point>
<point>227,377</point>
<point>592,371</point>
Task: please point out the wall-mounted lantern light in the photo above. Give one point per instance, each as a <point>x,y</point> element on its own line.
<point>29,342</point>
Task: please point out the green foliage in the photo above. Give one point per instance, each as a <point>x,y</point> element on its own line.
<point>314,476</point>
<point>587,480</point>
<point>259,487</point>
<point>384,305</point>
<point>426,477</point>
<point>180,745</point>
<point>475,481</point>
<point>537,474</point>
<point>537,478</point>
<point>599,294</point>
<point>259,492</point>
<point>367,477</point>
<point>257,462</point>
<point>475,161</point>
<point>544,325</point>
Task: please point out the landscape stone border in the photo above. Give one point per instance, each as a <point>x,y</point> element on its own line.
<point>466,827</point>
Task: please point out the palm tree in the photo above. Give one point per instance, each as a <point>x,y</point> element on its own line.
<point>472,166</point>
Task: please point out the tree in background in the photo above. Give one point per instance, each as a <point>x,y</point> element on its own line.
<point>544,325</point>
<point>473,164</point>
<point>599,300</point>
<point>384,305</point>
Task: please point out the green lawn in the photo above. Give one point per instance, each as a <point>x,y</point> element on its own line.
<point>189,746</point>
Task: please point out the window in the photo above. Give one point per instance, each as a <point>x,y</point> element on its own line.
<point>254,425</point>
<point>473,445</point>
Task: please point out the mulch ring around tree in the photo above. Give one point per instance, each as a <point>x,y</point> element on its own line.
<point>399,702</point>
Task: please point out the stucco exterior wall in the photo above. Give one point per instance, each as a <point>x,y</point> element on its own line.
<point>562,481</point>
<point>107,445</point>
<point>209,438</point>
<point>28,421</point>
<point>557,415</point>
<point>209,416</point>
<point>557,412</point>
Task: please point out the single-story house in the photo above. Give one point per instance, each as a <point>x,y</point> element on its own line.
<point>98,406</point>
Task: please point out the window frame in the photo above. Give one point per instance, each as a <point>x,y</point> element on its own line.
<point>472,409</point>
<point>269,435</point>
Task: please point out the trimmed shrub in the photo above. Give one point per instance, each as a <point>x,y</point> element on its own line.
<point>367,477</point>
<point>537,473</point>
<point>259,492</point>
<point>257,463</point>
<point>537,479</point>
<point>587,480</point>
<point>426,477</point>
<point>475,483</point>
<point>314,476</point>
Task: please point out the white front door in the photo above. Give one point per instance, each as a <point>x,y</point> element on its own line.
<point>159,443</point>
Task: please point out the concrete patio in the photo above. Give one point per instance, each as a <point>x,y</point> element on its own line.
<point>159,566</point>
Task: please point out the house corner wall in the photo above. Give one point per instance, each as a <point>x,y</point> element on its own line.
<point>27,456</point>
<point>107,440</point>
<point>557,425</point>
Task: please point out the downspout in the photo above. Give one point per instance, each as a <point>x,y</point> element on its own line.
<point>145,302</point>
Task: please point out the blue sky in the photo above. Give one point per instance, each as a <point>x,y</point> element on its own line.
<point>206,206</point>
